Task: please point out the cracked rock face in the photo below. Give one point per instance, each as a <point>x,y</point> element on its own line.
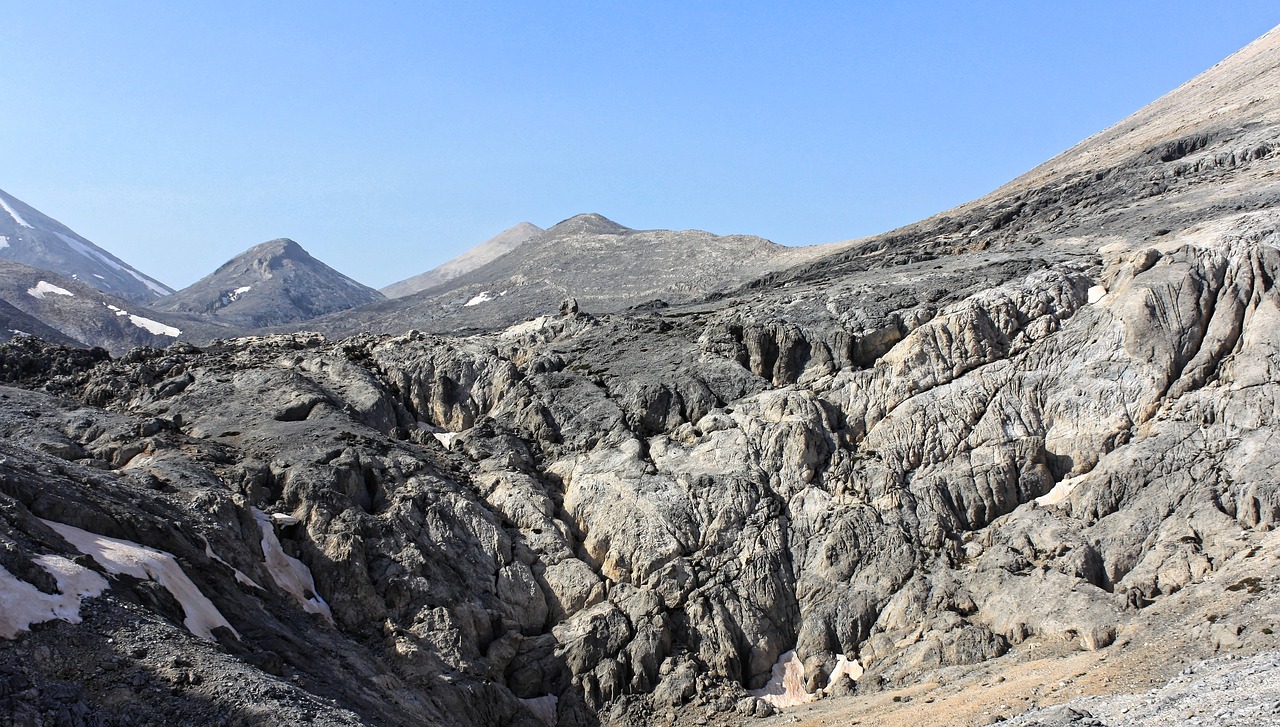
<point>1028,421</point>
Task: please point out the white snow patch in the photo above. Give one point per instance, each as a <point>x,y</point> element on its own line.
<point>14,214</point>
<point>845,666</point>
<point>1060,491</point>
<point>544,708</point>
<point>139,561</point>
<point>291,574</point>
<point>234,295</point>
<point>240,577</point>
<point>155,327</point>
<point>520,329</point>
<point>786,685</point>
<point>280,518</point>
<point>1097,293</point>
<point>4,242</point>
<point>88,252</point>
<point>445,438</point>
<point>152,285</point>
<point>117,310</point>
<point>99,277</point>
<point>42,289</point>
<point>484,297</point>
<point>16,332</point>
<point>22,604</point>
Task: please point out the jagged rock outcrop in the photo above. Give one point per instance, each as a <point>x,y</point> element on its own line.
<point>1043,419</point>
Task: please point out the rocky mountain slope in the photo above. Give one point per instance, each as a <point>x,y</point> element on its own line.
<point>1027,442</point>
<point>68,311</point>
<point>603,266</point>
<point>274,283</point>
<point>15,323</point>
<point>29,237</point>
<point>486,252</point>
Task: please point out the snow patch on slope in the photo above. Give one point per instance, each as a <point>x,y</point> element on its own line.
<point>786,684</point>
<point>22,604</point>
<point>4,242</point>
<point>484,297</point>
<point>845,666</point>
<point>139,561</point>
<point>155,327</point>
<point>14,214</point>
<point>42,289</point>
<point>291,574</point>
<point>152,285</point>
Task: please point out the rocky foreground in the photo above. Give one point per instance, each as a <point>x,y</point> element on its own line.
<point>1018,456</point>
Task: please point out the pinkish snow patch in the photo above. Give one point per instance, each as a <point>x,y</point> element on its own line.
<point>22,604</point>
<point>288,572</point>
<point>139,561</point>
<point>786,686</point>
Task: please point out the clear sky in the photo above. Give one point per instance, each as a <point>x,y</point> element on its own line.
<point>386,137</point>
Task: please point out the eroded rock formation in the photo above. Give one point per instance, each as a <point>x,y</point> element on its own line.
<point>1034,418</point>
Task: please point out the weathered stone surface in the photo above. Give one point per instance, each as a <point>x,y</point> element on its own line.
<point>1030,419</point>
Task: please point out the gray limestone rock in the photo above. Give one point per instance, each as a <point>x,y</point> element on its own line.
<point>1034,418</point>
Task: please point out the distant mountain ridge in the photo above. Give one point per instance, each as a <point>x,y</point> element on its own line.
<point>603,265</point>
<point>273,283</point>
<point>482,254</point>
<point>30,237</point>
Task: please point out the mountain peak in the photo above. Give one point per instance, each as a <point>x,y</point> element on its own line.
<point>271,283</point>
<point>589,223</point>
<point>486,252</point>
<point>281,247</point>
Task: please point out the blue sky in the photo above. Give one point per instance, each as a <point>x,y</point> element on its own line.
<point>386,137</point>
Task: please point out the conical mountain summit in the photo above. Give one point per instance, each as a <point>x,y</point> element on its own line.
<point>273,283</point>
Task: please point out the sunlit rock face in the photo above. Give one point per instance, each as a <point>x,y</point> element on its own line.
<point>1034,420</point>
